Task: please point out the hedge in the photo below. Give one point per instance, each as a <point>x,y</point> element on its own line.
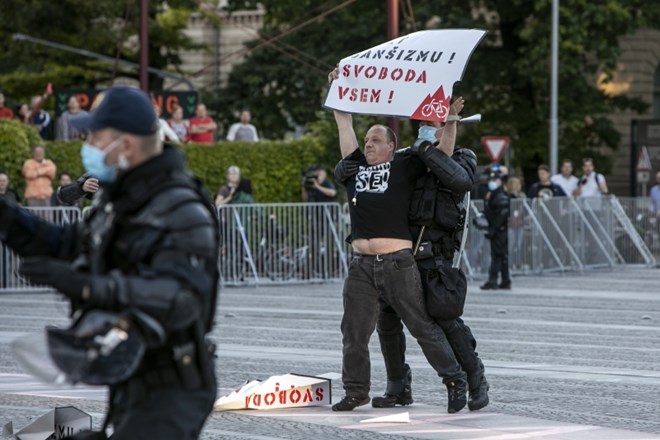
<point>275,167</point>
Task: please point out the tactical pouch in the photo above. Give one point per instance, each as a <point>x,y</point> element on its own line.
<point>185,360</point>
<point>446,289</point>
<point>424,251</point>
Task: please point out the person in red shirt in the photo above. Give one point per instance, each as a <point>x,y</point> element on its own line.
<point>202,127</point>
<point>5,112</point>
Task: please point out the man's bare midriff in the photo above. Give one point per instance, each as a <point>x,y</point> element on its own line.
<point>375,246</point>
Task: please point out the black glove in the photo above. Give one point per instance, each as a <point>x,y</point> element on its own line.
<point>420,146</point>
<point>346,169</point>
<point>56,273</point>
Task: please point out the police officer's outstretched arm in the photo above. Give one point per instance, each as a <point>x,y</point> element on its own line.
<point>175,267</point>
<point>28,235</point>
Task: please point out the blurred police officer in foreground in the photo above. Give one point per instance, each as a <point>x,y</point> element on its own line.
<point>150,244</point>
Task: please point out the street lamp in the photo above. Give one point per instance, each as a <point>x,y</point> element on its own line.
<point>554,147</point>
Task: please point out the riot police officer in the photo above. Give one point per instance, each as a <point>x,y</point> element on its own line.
<point>437,220</point>
<point>150,245</point>
<point>496,209</point>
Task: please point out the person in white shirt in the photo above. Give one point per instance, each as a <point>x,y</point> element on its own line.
<point>165,132</point>
<point>243,131</point>
<point>565,179</point>
<point>592,184</point>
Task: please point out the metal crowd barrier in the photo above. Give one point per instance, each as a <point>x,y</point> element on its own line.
<point>283,243</point>
<point>305,242</point>
<point>562,234</point>
<point>10,279</point>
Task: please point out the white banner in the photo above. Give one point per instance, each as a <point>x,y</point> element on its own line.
<point>411,76</point>
<point>283,391</point>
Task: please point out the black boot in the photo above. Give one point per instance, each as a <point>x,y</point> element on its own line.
<point>396,393</point>
<point>349,403</point>
<point>456,395</point>
<point>479,395</point>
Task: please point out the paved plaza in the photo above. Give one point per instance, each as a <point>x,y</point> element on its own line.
<point>575,356</point>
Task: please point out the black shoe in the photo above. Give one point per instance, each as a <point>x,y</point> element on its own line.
<point>506,286</point>
<point>390,400</point>
<point>479,395</point>
<point>349,403</point>
<point>488,286</point>
<point>456,395</point>
<point>396,393</point>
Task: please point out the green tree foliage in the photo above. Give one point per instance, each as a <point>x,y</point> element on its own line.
<point>507,79</point>
<point>98,26</point>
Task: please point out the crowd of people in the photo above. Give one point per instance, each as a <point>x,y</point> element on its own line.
<point>201,128</point>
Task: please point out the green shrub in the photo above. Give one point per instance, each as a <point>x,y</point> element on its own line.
<point>275,167</point>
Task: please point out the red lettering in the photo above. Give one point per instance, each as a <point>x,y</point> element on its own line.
<point>410,75</point>
<point>358,69</point>
<point>364,95</point>
<point>269,399</point>
<point>257,399</point>
<point>347,70</point>
<point>308,396</point>
<point>383,73</point>
<point>282,397</point>
<point>247,400</point>
<point>398,72</point>
<point>171,102</point>
<point>353,95</point>
<point>157,100</point>
<point>422,77</point>
<point>319,394</point>
<point>343,91</point>
<point>370,72</point>
<point>83,100</point>
<point>375,95</point>
<point>295,396</point>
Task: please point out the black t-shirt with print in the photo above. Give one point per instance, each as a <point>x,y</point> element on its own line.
<point>379,196</point>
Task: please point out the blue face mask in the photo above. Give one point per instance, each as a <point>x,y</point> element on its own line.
<point>427,133</point>
<point>492,186</point>
<point>93,161</point>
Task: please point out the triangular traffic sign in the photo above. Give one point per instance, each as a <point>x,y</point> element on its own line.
<point>644,160</point>
<point>495,146</point>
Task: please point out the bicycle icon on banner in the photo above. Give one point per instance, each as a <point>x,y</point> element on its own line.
<point>435,106</point>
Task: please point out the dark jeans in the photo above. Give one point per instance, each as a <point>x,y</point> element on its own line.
<point>373,283</point>
<point>460,338</point>
<point>162,413</point>
<point>499,257</point>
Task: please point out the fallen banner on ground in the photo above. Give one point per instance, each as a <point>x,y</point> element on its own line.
<point>282,391</point>
<point>58,423</point>
<point>411,76</point>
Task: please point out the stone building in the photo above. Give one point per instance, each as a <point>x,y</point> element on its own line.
<point>638,75</point>
<point>225,36</point>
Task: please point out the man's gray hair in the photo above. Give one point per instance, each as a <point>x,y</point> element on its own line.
<point>234,170</point>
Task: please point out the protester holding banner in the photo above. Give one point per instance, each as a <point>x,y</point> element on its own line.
<point>383,270</point>
<point>437,217</point>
